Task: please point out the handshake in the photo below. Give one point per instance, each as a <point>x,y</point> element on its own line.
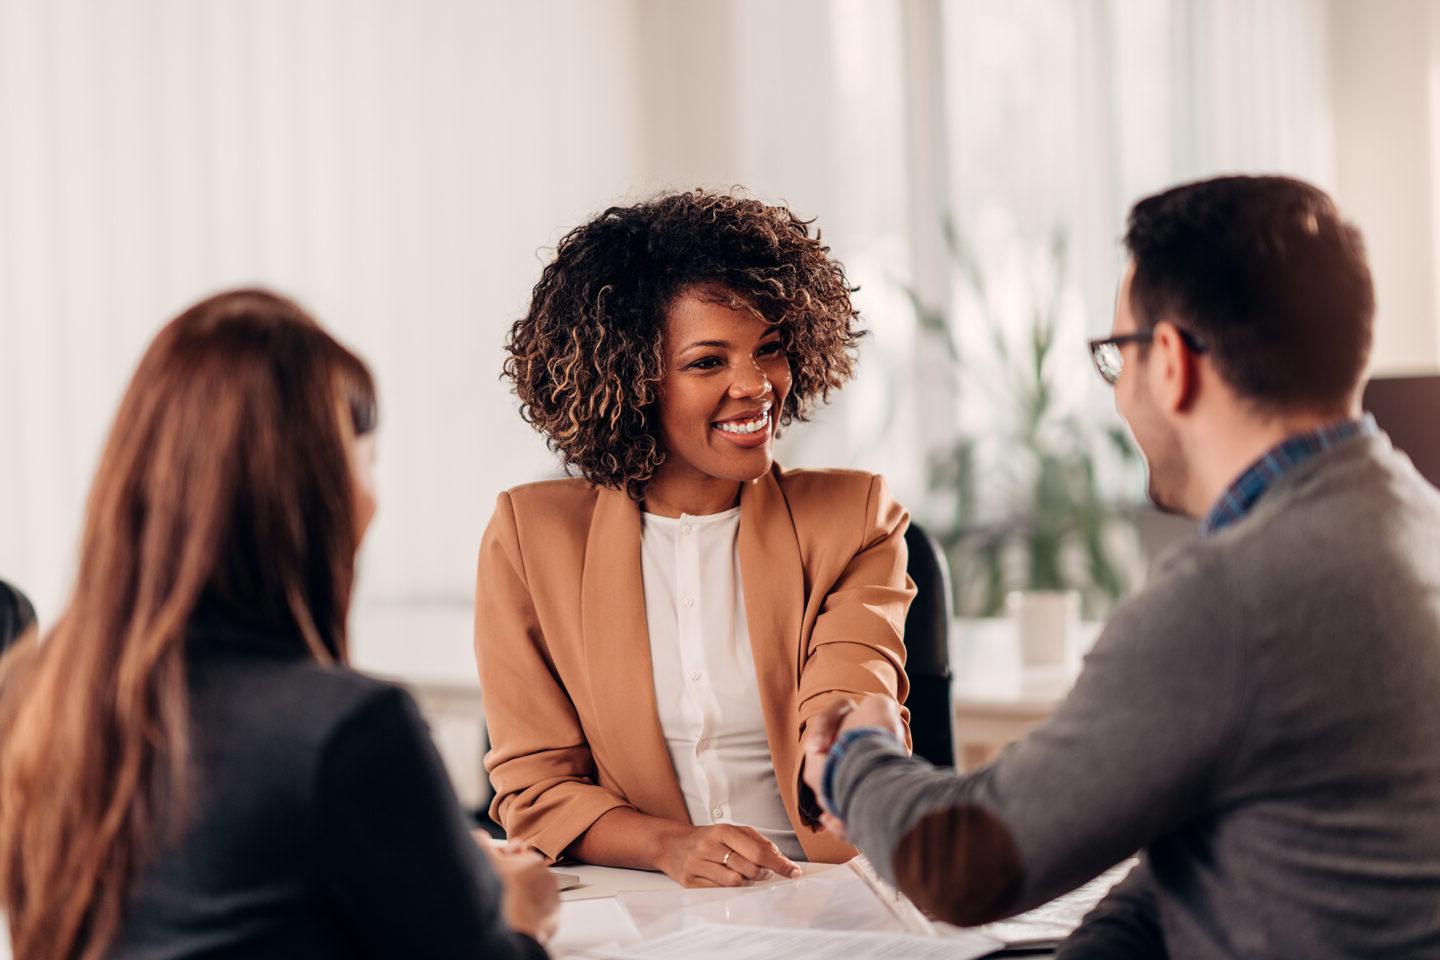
<point>875,711</point>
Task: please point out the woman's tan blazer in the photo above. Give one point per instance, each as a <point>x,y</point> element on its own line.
<point>564,652</point>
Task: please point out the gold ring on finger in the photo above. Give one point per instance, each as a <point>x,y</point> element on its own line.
<point>725,861</point>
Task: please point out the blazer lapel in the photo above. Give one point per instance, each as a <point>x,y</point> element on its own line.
<point>774,584</point>
<point>617,656</point>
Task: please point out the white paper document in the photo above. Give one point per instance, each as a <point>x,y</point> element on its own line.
<point>1056,920</point>
<point>834,900</point>
<point>589,924</point>
<point>712,941</point>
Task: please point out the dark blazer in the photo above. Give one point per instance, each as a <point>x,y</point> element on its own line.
<point>321,823</point>
<point>16,615</point>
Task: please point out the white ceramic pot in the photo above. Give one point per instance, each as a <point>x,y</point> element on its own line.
<point>1047,625</point>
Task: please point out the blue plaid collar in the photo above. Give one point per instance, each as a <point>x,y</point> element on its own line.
<point>1279,460</point>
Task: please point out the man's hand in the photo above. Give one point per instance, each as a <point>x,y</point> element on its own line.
<point>820,734</point>
<point>874,710</point>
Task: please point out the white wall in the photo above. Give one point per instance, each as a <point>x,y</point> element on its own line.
<point>1386,78</point>
<point>397,167</point>
<point>804,103</point>
<point>401,169</point>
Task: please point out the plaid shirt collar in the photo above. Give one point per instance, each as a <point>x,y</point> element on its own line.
<point>1285,456</point>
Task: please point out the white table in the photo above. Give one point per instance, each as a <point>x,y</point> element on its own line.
<point>629,906</point>
<point>632,905</point>
<point>601,882</point>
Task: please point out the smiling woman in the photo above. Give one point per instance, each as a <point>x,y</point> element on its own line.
<point>727,379</point>
<point>653,635</point>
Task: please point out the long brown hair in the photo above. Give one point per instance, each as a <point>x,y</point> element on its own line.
<point>225,482</point>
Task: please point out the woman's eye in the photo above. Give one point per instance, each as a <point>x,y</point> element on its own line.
<point>704,363</point>
<point>771,348</point>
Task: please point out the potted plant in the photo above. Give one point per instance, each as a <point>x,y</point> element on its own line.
<point>1021,502</point>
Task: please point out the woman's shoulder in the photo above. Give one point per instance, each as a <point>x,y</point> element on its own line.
<point>558,490</point>
<point>342,700</point>
<point>268,729</point>
<point>829,484</point>
<point>840,506</point>
<point>548,514</point>
<point>567,494</point>
<point>294,698</point>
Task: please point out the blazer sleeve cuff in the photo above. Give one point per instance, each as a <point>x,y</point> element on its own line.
<point>569,809</point>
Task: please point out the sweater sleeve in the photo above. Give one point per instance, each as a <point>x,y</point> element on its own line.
<point>1133,752</point>
<point>395,851</point>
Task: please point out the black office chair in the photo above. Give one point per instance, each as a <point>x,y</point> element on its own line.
<point>927,646</point>
<point>16,615</point>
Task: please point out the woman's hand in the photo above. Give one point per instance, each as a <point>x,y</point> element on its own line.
<point>874,710</point>
<point>531,902</point>
<point>721,855</point>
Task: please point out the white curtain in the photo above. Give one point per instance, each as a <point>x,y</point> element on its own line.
<point>401,168</point>
<point>1059,116</point>
<point>397,167</point>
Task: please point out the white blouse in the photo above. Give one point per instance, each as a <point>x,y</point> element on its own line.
<point>705,685</point>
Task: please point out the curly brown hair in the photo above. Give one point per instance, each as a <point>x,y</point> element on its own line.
<point>587,359</point>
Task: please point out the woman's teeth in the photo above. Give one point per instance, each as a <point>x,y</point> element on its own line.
<point>745,426</point>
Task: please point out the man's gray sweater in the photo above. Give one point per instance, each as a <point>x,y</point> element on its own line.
<point>1262,722</point>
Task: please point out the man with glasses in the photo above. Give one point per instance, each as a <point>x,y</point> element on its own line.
<point>1262,721</point>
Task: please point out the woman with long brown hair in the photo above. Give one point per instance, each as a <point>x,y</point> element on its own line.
<point>186,767</point>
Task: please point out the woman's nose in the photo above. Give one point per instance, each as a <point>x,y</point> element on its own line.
<point>750,382</point>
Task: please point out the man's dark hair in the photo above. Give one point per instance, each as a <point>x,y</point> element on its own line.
<point>1266,273</point>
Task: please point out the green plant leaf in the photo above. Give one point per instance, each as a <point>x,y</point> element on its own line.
<point>1023,502</point>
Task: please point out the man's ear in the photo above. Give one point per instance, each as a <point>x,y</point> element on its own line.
<point>1172,365</point>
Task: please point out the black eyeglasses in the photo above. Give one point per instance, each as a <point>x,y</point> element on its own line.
<point>1110,361</point>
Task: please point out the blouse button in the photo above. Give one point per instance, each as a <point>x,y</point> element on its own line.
<point>689,601</point>
<point>694,674</point>
<point>718,812</point>
<point>685,528</point>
